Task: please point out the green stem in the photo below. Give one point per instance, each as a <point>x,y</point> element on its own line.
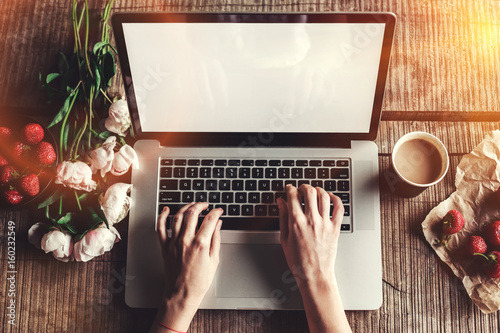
<point>77,200</point>
<point>61,134</point>
<point>105,95</point>
<point>86,8</point>
<point>60,205</point>
<point>91,113</point>
<point>80,136</point>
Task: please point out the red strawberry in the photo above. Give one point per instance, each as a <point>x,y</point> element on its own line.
<point>6,174</point>
<point>492,233</point>
<point>476,244</point>
<point>493,266</point>
<point>5,132</point>
<point>3,161</point>
<point>45,153</point>
<point>13,196</point>
<point>33,133</point>
<point>19,150</point>
<point>30,185</point>
<point>453,222</point>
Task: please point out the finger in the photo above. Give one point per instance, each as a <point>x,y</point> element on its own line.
<point>310,199</point>
<point>338,210</point>
<point>215,244</point>
<point>177,220</point>
<point>161,226</point>
<point>190,220</point>
<point>293,201</point>
<point>323,203</point>
<point>283,213</point>
<point>209,223</point>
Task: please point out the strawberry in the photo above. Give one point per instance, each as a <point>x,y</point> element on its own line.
<point>453,222</point>
<point>20,150</point>
<point>33,133</point>
<point>5,132</point>
<point>475,244</point>
<point>13,196</point>
<point>30,184</point>
<point>6,174</point>
<point>493,265</point>
<point>45,153</point>
<point>492,233</point>
<point>3,161</point>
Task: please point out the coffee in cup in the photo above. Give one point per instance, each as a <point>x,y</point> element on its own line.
<point>420,160</point>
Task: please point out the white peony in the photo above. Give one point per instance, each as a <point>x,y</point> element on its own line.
<point>116,202</point>
<point>96,242</point>
<point>124,158</point>
<point>77,175</point>
<point>60,243</point>
<point>119,118</point>
<point>102,157</point>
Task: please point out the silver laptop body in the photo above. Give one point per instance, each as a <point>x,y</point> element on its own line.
<point>246,87</point>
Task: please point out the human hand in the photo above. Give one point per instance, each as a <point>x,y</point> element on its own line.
<point>309,238</point>
<point>190,260</point>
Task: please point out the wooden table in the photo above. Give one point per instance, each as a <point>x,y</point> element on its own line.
<point>444,79</point>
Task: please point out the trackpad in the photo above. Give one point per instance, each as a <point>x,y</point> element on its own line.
<point>250,270</point>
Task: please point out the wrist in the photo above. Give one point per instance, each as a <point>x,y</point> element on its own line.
<point>317,286</point>
<point>177,312</point>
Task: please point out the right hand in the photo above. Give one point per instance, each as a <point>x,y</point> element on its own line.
<point>309,238</point>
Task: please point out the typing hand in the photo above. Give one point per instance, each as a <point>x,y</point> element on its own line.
<point>190,260</point>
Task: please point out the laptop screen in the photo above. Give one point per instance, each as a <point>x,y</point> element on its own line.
<point>308,76</point>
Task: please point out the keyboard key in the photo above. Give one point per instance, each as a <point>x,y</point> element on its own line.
<point>291,182</point>
<point>211,184</point>
<point>170,196</point>
<point>317,183</point>
<point>336,173</point>
<point>250,185</point>
<point>343,196</point>
<point>166,172</point>
<point>193,162</point>
<point>233,162</point>
<point>233,210</point>
<point>218,172</point>
<point>223,207</point>
<point>180,162</point>
<point>303,182</point>
<point>247,210</point>
<point>277,185</point>
<point>237,185</point>
<point>231,172</point>
<point>323,173</point>
<point>247,163</point>
<point>180,172</point>
<point>257,172</point>
<point>220,162</point>
<point>288,163</point>
<point>240,197</point>
<point>273,210</point>
<point>192,172</point>
<point>205,212</point>
<point>343,185</point>
<point>185,184</point>
<point>329,163</point>
<point>279,195</point>
<point>224,185</point>
<point>315,163</point>
<point>261,163</point>
<point>267,197</point>
<point>254,197</point>
<point>201,197</point>
<point>310,173</point>
<point>297,173</point>
<point>330,185</point>
<point>165,162</point>
<point>207,162</point>
<point>347,210</point>
<point>302,163</point>
<point>284,173</point>
<point>275,163</point>
<point>187,196</point>
<point>343,163</point>
<point>227,197</point>
<point>198,184</point>
<point>244,173</point>
<point>260,210</point>
<point>214,197</point>
<point>345,227</point>
<point>205,172</point>
<point>264,185</point>
<point>174,208</point>
<point>168,184</point>
<point>271,172</point>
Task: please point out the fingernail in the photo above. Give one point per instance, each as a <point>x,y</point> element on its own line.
<point>164,208</point>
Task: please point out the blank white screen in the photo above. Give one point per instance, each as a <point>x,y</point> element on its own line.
<point>239,77</point>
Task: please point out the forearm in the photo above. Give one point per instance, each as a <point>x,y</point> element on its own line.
<point>177,314</point>
<point>323,307</point>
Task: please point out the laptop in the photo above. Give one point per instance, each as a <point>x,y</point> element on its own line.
<point>231,107</point>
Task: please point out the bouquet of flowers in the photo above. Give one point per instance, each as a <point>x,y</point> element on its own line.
<point>81,211</point>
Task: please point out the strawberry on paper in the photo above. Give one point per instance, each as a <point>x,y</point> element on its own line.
<point>451,223</point>
<point>492,233</point>
<point>476,244</point>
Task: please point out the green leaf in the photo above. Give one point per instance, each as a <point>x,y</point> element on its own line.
<point>51,199</point>
<point>64,219</point>
<point>50,77</point>
<point>104,135</point>
<point>63,64</point>
<point>65,136</point>
<point>64,109</point>
<point>108,69</point>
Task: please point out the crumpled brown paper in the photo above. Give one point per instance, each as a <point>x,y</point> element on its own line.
<point>477,180</point>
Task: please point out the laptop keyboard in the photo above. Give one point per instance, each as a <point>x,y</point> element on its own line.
<point>247,189</point>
